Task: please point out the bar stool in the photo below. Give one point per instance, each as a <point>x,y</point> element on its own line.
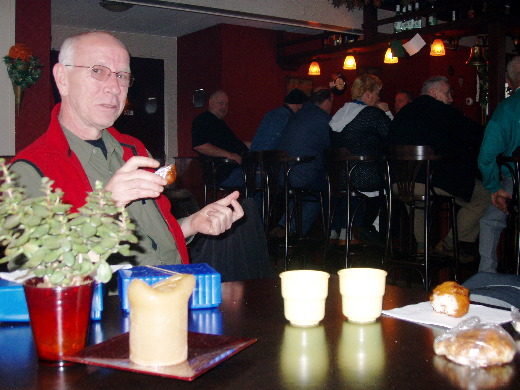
<point>513,221</point>
<point>278,166</point>
<point>340,164</point>
<point>405,164</point>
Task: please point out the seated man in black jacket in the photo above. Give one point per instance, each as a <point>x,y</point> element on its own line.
<point>431,120</point>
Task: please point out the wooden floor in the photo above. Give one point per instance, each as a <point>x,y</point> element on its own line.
<point>310,255</point>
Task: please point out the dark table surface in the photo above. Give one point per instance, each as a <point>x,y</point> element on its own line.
<point>388,354</point>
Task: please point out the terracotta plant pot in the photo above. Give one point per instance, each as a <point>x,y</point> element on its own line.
<point>59,318</point>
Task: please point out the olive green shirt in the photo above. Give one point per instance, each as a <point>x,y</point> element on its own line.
<point>156,243</point>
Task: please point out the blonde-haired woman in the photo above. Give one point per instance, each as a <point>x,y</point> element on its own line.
<point>361,126</point>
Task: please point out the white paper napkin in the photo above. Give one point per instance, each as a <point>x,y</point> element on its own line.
<point>414,45</point>
<point>423,313</point>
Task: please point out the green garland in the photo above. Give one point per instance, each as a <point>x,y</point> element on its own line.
<point>23,73</point>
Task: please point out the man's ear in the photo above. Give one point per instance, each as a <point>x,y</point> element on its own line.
<point>60,76</point>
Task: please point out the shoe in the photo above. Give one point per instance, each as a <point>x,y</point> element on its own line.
<point>442,249</point>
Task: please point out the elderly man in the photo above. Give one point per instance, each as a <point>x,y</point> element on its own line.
<point>431,120</point>
<point>212,137</point>
<point>80,147</point>
<point>502,135</point>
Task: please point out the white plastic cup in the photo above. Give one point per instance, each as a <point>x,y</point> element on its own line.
<point>304,293</point>
<point>362,291</point>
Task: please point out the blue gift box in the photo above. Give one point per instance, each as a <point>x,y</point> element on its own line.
<point>207,292</point>
<point>13,307</point>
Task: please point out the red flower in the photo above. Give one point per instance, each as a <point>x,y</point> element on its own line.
<point>21,51</point>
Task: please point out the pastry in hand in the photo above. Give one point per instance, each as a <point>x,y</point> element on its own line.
<point>450,298</point>
<point>168,172</point>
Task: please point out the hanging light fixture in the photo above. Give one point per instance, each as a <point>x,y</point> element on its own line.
<point>314,68</point>
<point>437,48</point>
<point>390,58</point>
<point>350,63</point>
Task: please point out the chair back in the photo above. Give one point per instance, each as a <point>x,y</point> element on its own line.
<point>340,163</point>
<point>214,170</point>
<point>405,162</point>
<point>252,164</point>
<point>273,161</point>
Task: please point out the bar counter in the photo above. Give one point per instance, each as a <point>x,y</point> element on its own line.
<point>388,354</point>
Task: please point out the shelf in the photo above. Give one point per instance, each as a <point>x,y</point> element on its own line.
<point>447,30</point>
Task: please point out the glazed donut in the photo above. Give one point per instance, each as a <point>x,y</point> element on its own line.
<point>168,172</point>
<point>450,298</point>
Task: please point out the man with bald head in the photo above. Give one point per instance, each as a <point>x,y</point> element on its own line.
<point>212,137</point>
<point>80,147</point>
<point>432,120</point>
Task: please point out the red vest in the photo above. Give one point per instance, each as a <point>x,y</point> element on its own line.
<point>52,156</point>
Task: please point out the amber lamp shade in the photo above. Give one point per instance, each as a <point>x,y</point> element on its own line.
<point>390,58</point>
<point>437,48</point>
<point>314,69</point>
<point>350,63</point>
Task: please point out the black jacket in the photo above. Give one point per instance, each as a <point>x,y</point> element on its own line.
<point>428,121</point>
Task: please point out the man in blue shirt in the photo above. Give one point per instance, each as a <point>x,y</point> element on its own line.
<point>308,135</point>
<point>271,128</point>
<point>502,135</point>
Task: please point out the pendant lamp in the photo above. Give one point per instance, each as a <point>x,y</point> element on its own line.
<point>437,48</point>
<point>390,58</point>
<point>350,63</point>
<point>314,69</point>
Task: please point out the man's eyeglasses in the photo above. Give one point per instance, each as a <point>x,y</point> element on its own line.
<point>102,73</point>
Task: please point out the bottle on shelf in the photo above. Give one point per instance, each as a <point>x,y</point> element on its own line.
<point>398,24</point>
<point>432,16</point>
<point>417,20</point>
<point>409,18</point>
<point>404,15</point>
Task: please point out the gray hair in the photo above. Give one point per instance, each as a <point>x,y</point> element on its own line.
<point>432,83</point>
<point>69,46</point>
<point>513,72</point>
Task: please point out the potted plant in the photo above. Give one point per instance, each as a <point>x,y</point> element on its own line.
<point>62,251</point>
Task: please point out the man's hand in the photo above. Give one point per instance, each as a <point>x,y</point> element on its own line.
<point>235,157</point>
<point>130,183</point>
<point>383,106</point>
<point>215,218</point>
<point>499,200</point>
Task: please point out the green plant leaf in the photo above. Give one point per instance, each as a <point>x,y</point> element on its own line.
<point>12,221</point>
<point>104,273</point>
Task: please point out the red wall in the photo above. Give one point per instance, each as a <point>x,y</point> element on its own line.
<point>199,65</point>
<point>239,60</point>
<point>242,61</point>
<point>409,73</point>
<point>33,27</point>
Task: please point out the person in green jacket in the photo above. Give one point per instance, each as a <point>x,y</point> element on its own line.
<point>502,135</point>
